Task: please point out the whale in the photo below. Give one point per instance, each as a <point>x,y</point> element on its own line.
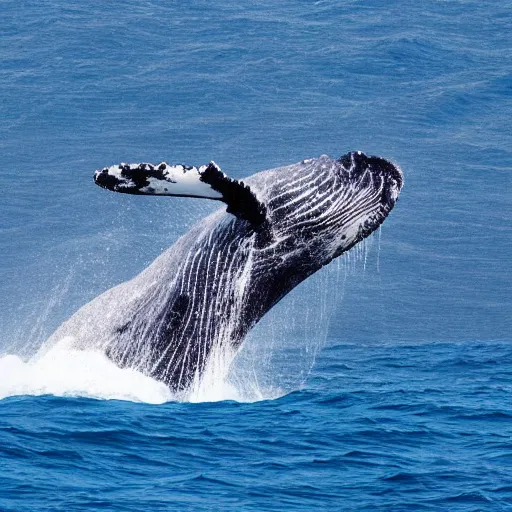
<point>212,286</point>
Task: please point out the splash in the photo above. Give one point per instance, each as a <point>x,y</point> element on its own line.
<point>275,359</point>
<point>63,371</point>
<point>67,372</point>
<point>216,382</point>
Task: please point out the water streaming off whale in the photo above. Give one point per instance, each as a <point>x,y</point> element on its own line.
<point>276,357</point>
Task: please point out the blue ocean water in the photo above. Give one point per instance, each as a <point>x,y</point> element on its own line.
<point>378,428</point>
<point>407,404</point>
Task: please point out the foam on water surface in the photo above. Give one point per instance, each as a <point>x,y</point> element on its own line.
<point>64,371</point>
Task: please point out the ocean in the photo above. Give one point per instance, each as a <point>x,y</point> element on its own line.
<point>383,382</point>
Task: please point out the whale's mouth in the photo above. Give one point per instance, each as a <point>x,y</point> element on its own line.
<point>385,175</point>
<point>370,188</point>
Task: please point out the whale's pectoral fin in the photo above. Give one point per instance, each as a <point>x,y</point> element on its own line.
<point>207,181</point>
<point>241,200</point>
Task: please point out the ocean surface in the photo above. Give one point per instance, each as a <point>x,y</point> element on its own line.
<point>384,382</point>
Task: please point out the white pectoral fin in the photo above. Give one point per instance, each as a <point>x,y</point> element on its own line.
<point>207,181</point>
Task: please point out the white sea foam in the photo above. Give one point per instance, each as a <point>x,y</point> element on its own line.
<point>63,371</point>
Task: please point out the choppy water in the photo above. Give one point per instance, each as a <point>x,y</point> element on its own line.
<point>378,427</point>
<point>384,387</point>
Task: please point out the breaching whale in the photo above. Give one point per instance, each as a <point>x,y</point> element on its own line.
<point>216,282</point>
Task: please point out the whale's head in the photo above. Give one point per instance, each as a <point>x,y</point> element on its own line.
<point>330,205</point>
<point>322,206</point>
<point>369,190</point>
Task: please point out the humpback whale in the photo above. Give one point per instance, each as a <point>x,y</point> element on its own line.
<point>216,282</point>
